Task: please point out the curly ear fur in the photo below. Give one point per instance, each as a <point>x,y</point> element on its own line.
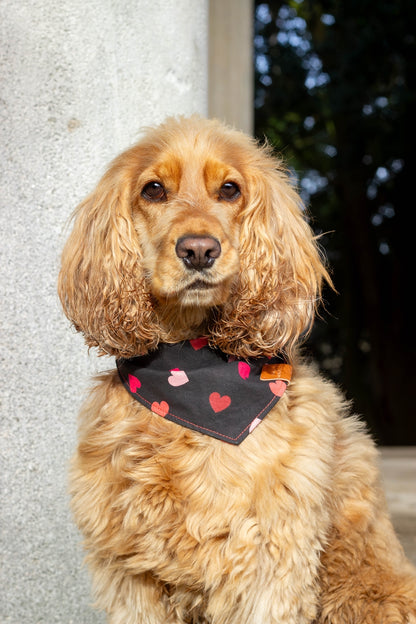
<point>281,269</point>
<point>104,290</point>
<point>101,284</point>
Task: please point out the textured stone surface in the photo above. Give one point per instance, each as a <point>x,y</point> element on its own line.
<point>78,81</point>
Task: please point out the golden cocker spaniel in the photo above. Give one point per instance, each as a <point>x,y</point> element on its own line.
<point>208,488</point>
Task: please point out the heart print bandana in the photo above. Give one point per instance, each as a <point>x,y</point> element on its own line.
<point>204,389</point>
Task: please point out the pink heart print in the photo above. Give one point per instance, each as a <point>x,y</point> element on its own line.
<point>254,424</point>
<point>278,387</point>
<point>134,383</point>
<point>161,409</point>
<point>199,343</point>
<point>218,402</point>
<point>177,377</point>
<point>244,370</point>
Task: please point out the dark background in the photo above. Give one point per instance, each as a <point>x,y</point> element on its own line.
<point>335,94</point>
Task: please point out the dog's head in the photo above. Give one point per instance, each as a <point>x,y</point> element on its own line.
<point>196,229</point>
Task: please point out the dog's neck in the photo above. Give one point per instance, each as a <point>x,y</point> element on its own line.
<point>177,324</point>
<point>204,389</point>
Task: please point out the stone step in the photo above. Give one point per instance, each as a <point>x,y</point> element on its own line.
<point>398,469</point>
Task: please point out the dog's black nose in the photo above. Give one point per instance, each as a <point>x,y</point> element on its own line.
<point>198,252</point>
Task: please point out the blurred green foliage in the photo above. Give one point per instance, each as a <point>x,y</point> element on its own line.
<point>335,93</point>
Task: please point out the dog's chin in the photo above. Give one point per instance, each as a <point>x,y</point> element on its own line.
<point>199,293</point>
<point>202,294</point>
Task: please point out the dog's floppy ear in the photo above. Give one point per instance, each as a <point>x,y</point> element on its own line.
<point>281,269</point>
<point>101,285</point>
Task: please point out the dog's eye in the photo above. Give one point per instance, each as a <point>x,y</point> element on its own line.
<point>229,191</point>
<point>154,191</point>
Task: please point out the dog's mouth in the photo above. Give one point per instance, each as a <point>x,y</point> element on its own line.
<point>200,285</point>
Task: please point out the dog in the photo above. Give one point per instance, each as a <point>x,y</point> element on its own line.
<point>218,479</point>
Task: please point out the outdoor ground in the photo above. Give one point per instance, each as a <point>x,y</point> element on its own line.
<point>398,466</point>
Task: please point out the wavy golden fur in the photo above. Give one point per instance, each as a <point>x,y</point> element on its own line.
<point>197,230</point>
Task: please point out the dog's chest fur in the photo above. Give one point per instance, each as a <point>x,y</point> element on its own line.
<point>152,496</point>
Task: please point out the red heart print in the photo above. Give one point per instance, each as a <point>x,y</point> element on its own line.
<point>278,387</point>
<point>134,383</point>
<point>199,343</point>
<point>161,409</point>
<point>178,377</point>
<point>218,402</point>
<point>244,370</point>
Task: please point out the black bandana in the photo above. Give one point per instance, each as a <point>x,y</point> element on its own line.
<point>204,389</point>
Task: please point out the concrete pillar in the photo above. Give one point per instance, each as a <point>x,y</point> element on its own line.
<point>78,80</point>
<point>231,79</point>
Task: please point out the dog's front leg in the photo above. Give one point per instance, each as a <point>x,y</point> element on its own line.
<point>365,580</point>
<point>135,599</point>
<point>365,577</point>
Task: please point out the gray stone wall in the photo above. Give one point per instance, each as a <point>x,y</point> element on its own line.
<point>78,80</point>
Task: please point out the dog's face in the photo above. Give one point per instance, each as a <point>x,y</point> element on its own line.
<point>195,229</point>
<point>187,219</point>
